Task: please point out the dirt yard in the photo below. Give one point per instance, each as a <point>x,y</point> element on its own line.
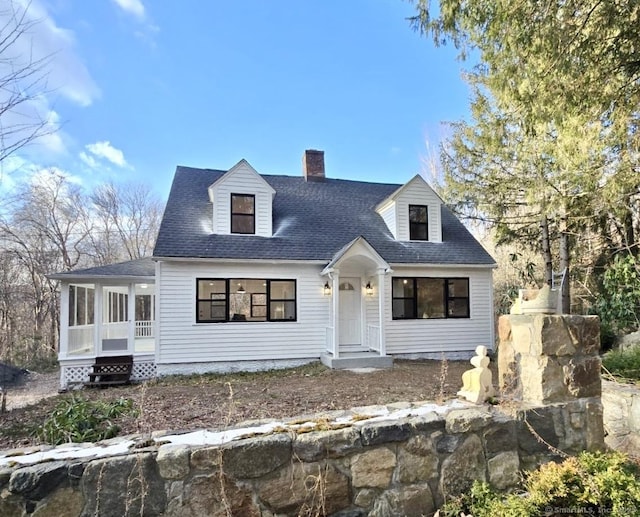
<point>217,401</point>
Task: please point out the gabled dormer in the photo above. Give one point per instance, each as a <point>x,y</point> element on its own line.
<point>413,212</point>
<point>242,202</point>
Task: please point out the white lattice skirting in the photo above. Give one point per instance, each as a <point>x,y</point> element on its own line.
<point>75,375</point>
<point>143,371</point>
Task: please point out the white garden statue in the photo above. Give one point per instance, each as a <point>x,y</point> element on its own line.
<point>477,384</point>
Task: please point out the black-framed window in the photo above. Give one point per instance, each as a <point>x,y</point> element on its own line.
<point>418,223</point>
<point>243,213</point>
<point>430,298</point>
<point>282,300</point>
<point>245,299</point>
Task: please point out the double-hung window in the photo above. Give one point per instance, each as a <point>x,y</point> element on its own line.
<point>418,223</point>
<point>430,298</point>
<point>245,299</point>
<point>243,213</point>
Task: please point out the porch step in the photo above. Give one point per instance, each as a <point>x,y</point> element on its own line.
<point>357,360</point>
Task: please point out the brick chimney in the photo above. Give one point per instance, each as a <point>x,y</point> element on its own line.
<point>313,165</point>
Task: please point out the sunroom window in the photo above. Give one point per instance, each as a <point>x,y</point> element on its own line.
<point>80,305</point>
<point>245,299</point>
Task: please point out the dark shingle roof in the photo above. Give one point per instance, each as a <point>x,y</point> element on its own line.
<point>139,268</point>
<point>311,221</point>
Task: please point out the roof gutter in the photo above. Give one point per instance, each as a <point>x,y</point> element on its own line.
<point>444,266</point>
<point>235,260</point>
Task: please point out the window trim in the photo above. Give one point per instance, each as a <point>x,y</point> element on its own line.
<point>413,224</point>
<point>241,214</point>
<point>227,294</point>
<point>446,300</point>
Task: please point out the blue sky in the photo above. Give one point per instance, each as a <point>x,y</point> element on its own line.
<point>137,87</point>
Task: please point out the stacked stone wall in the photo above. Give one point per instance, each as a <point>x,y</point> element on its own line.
<point>370,467</point>
<point>621,414</point>
<point>384,468</point>
<point>549,358</point>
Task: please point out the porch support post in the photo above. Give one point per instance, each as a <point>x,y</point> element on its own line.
<point>381,309</point>
<point>335,294</point>
<point>156,314</point>
<point>98,308</point>
<point>64,319</point>
<point>131,320</point>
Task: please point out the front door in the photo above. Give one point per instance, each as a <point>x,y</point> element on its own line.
<point>350,313</point>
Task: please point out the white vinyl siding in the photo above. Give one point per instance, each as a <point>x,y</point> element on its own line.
<point>444,335</point>
<point>388,213</point>
<point>182,340</point>
<point>242,180</point>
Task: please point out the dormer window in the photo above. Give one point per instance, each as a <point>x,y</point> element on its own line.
<point>243,213</point>
<point>418,223</point>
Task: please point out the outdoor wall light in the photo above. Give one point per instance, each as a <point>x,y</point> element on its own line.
<point>327,289</point>
<point>368,289</point>
<point>241,289</point>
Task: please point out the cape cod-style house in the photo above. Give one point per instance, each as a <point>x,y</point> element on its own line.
<point>256,271</point>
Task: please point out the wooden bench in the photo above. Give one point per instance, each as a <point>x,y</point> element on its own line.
<point>111,371</point>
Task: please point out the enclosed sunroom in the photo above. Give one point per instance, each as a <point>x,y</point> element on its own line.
<point>107,311</point>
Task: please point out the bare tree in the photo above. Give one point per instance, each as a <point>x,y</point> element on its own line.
<point>42,230</point>
<point>130,216</point>
<point>51,224</point>
<point>22,80</point>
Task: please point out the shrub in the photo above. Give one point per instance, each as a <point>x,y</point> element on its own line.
<point>77,419</point>
<point>623,363</point>
<point>591,484</point>
<point>617,304</point>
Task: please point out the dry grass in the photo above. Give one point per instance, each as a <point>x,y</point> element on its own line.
<point>217,401</point>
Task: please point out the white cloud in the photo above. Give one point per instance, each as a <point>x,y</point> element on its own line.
<point>133,7</point>
<point>16,171</point>
<point>146,30</point>
<point>89,160</point>
<point>103,150</point>
<point>53,47</point>
<point>52,68</point>
<point>47,177</point>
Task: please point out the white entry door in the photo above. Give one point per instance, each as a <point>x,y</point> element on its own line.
<point>350,313</point>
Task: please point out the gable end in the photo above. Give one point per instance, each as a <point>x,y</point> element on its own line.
<point>242,180</point>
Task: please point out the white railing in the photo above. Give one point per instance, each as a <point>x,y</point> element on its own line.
<point>144,328</point>
<point>373,337</point>
<point>80,340</point>
<point>329,340</point>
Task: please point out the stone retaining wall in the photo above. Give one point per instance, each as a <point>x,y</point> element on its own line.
<point>382,468</point>
<point>406,462</point>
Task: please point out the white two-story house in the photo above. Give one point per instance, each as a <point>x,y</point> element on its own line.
<point>255,271</point>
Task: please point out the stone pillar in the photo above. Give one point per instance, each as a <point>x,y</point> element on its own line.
<point>548,358</point>
<point>550,363</point>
